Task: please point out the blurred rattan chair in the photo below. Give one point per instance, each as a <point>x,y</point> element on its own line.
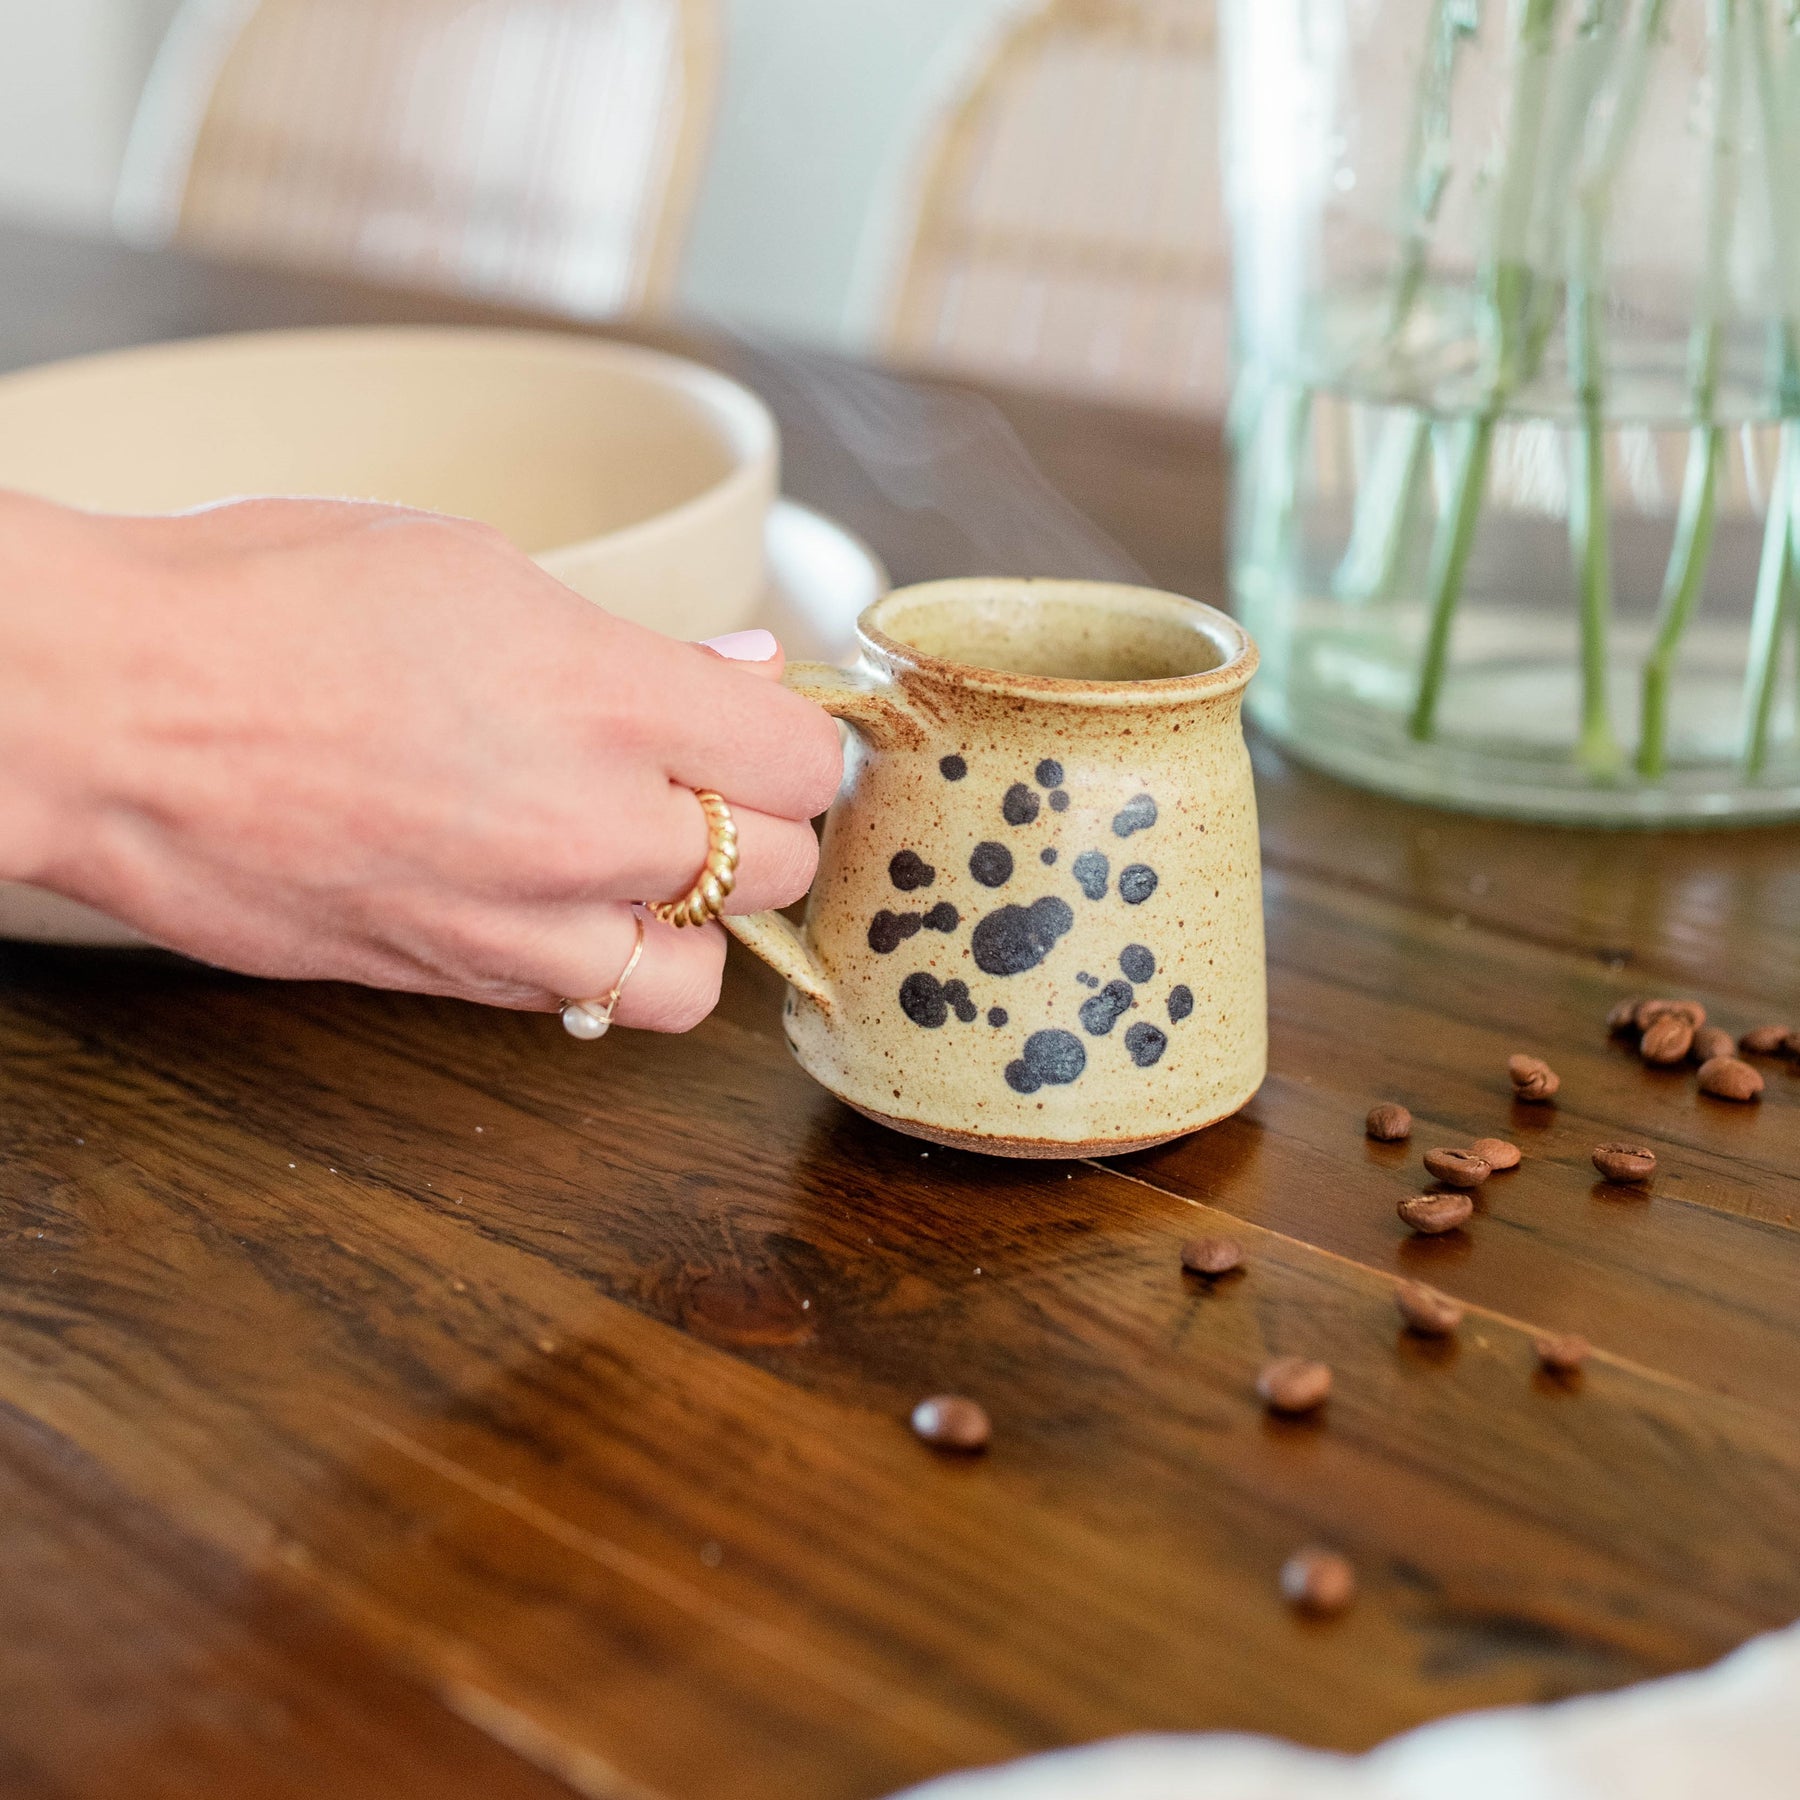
<point>545,150</point>
<point>1070,227</point>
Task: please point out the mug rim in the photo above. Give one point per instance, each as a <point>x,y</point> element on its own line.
<point>1239,656</point>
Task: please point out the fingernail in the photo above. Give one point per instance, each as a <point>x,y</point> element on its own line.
<point>744,646</point>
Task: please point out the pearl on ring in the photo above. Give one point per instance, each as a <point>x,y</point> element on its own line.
<point>592,1019</point>
<point>581,1021</point>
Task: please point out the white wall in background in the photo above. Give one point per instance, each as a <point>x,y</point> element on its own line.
<point>823,102</point>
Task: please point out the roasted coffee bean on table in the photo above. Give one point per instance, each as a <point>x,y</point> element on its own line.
<point>1212,1255</point>
<point>1711,1041</point>
<point>1649,1011</point>
<point>1533,1079</point>
<point>952,1422</point>
<point>1625,1162</point>
<point>1319,1582</point>
<point>1562,1352</point>
<point>1293,1384</point>
<point>1768,1040</point>
<point>1426,1311</point>
<point>1457,1168</point>
<point>1388,1123</point>
<point>1728,1079</point>
<point>1667,1039</point>
<point>1497,1153</point>
<point>1433,1214</point>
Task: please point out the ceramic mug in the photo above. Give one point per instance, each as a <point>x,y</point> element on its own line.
<point>1037,924</point>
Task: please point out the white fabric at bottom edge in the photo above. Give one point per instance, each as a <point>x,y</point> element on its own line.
<point>1732,1731</point>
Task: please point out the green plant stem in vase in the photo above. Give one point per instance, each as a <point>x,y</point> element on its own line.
<point>1598,748</point>
<point>1686,572</point>
<point>1508,294</point>
<point>1777,581</point>
<point>1389,500</point>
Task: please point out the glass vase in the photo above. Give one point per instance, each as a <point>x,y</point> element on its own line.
<point>1517,420</point>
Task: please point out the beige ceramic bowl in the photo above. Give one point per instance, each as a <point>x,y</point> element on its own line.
<point>641,480</point>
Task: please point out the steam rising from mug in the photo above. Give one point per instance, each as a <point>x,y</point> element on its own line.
<point>860,443</point>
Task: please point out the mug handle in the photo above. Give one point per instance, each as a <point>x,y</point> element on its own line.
<point>870,707</point>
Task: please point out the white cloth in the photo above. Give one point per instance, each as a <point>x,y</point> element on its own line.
<point>1728,1733</point>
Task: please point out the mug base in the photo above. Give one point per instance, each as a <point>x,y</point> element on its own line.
<point>1039,1149</point>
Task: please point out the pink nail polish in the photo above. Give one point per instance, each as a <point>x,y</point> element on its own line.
<point>744,646</point>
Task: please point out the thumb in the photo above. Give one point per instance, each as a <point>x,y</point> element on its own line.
<point>755,652</point>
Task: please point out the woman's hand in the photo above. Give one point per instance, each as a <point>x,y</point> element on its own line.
<point>326,740</point>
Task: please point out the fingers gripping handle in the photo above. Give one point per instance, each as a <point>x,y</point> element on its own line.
<point>871,708</point>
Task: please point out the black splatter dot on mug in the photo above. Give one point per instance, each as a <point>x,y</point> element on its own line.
<point>1012,939</point>
<point>888,930</point>
<point>1059,801</point>
<point>943,917</point>
<point>1101,1013</point>
<point>909,870</point>
<point>1134,959</point>
<point>1086,979</point>
<point>1137,884</point>
<point>1049,773</point>
<point>1138,814</point>
<point>997,1016</point>
<point>1054,1057</point>
<point>1019,805</point>
<point>1181,1003</point>
<point>952,768</point>
<point>1091,870</point>
<point>923,1001</point>
<point>956,996</point>
<point>991,864</point>
<point>1047,855</point>
<point>1145,1043</point>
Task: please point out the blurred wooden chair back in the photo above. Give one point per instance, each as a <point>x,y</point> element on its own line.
<point>544,150</point>
<point>1070,224</point>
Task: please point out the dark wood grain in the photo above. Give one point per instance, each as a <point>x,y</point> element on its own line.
<point>400,1398</point>
<point>137,1661</point>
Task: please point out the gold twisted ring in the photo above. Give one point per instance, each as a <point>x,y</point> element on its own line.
<point>591,1019</point>
<point>706,898</point>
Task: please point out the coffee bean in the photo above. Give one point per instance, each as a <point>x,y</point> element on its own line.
<point>1426,1311</point>
<point>1212,1255</point>
<point>1649,1011</point>
<point>1623,1017</point>
<point>1668,1039</point>
<point>1388,1123</point>
<point>1710,1041</point>
<point>1497,1153</point>
<point>1728,1079</point>
<point>949,1422</point>
<point>1291,1384</point>
<point>1625,1162</point>
<point>1562,1352</point>
<point>1433,1214</point>
<point>1768,1040</point>
<point>1458,1168</point>
<point>1318,1582</point>
<point>1533,1079</point>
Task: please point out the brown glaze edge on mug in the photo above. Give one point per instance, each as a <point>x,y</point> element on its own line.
<point>1026,1149</point>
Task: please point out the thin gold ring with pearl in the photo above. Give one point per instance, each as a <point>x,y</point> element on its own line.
<point>592,1019</point>
<point>705,900</point>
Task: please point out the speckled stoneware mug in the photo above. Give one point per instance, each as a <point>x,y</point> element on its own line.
<point>1037,925</point>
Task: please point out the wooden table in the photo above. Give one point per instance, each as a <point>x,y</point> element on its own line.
<point>401,1399</point>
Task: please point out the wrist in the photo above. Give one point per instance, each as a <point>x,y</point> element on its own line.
<point>53,565</point>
